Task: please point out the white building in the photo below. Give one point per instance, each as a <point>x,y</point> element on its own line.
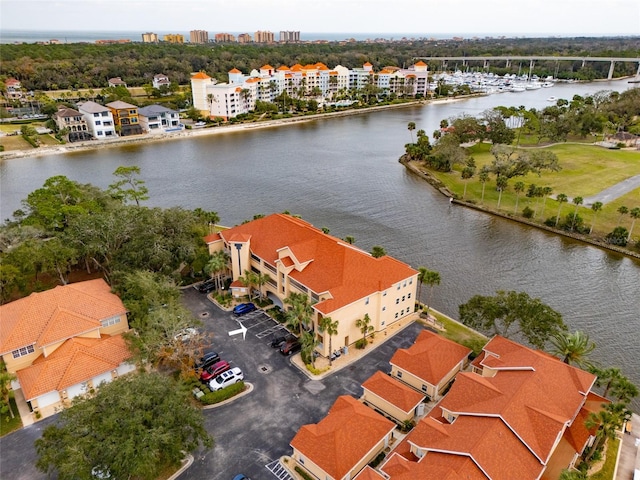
<point>160,80</point>
<point>159,119</point>
<point>99,120</point>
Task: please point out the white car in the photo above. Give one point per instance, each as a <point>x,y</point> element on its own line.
<point>225,379</point>
<point>186,334</point>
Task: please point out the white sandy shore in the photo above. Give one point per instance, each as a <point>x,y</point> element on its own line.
<point>139,139</point>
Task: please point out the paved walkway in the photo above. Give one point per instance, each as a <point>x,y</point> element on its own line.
<point>615,191</point>
<point>630,452</point>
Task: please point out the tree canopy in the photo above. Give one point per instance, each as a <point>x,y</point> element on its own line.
<point>512,314</point>
<point>133,428</point>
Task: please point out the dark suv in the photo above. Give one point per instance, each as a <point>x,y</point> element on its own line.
<point>206,286</point>
<point>290,347</point>
<point>207,360</point>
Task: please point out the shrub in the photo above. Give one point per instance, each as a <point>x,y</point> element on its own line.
<point>550,222</point>
<point>303,474</point>
<point>407,426</point>
<point>376,461</point>
<point>527,212</point>
<point>361,343</point>
<point>224,394</point>
<point>618,237</point>
<point>314,370</point>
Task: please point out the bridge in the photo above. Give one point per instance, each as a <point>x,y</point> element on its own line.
<point>532,59</point>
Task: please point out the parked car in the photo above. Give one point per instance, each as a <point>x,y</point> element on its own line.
<point>290,347</point>
<point>243,308</point>
<point>212,371</point>
<point>207,360</point>
<point>241,476</point>
<point>206,286</point>
<point>186,334</point>
<point>226,378</point>
<point>280,340</point>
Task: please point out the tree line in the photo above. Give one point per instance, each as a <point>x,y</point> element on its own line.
<point>78,65</point>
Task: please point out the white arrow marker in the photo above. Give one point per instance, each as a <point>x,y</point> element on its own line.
<point>242,330</point>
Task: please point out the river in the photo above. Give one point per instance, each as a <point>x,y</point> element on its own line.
<point>344,174</point>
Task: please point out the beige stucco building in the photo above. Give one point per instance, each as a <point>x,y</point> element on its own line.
<point>341,280</point>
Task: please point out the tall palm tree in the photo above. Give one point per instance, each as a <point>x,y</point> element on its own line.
<point>573,348</point>
<point>5,388</point>
<point>467,173</point>
<point>300,313</point>
<point>217,265</point>
<point>261,279</point>
<point>326,324</point>
<point>308,342</point>
<point>577,201</point>
<point>606,377</point>
<point>518,188</point>
<point>350,239</point>
<point>624,390</point>
<point>596,207</point>
<point>635,214</point>
<point>501,184</point>
<point>545,191</point>
<point>423,272</point>
<point>364,324</point>
<point>622,210</point>
<point>561,198</point>
<point>483,176</point>
<point>411,126</point>
<point>608,421</point>
<point>432,278</point>
<point>248,280</point>
<point>377,251</point>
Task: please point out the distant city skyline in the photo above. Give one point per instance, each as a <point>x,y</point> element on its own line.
<point>418,17</point>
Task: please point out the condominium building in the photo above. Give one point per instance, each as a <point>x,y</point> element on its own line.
<point>244,38</point>
<point>199,36</point>
<point>289,36</point>
<point>149,37</point>
<point>173,38</point>
<point>224,38</point>
<point>263,37</point>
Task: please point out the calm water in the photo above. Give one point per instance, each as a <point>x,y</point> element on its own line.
<point>344,174</point>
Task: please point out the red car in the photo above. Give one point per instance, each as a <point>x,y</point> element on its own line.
<point>214,370</point>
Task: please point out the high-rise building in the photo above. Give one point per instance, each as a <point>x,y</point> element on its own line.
<point>173,38</point>
<point>263,37</point>
<point>289,36</point>
<point>224,38</point>
<point>244,38</point>
<point>199,36</point>
<point>149,37</point>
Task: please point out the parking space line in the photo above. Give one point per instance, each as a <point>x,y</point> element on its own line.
<point>278,470</point>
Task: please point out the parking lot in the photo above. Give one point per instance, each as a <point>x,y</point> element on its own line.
<point>253,432</point>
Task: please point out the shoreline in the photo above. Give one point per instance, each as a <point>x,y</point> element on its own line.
<point>225,129</point>
<point>434,182</point>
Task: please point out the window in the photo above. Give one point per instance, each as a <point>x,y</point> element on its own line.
<point>396,314</point>
<point>409,295</point>
<point>398,287</point>
<point>98,122</point>
<point>132,112</point>
<point>96,114</point>
<point>397,301</point>
<point>403,298</point>
<point>99,133</point>
<point>405,283</point>
<point>383,309</point>
<point>399,374</point>
<point>105,114</point>
<point>366,301</point>
<point>21,352</point>
<point>402,312</point>
<point>109,321</point>
<point>424,388</point>
<point>384,294</point>
<point>411,281</point>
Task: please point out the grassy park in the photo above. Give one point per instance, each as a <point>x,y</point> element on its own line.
<point>585,171</point>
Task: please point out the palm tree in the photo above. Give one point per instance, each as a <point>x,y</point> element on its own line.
<point>483,176</point>
<point>561,198</point>
<point>261,279</point>
<point>326,324</point>
<point>5,389</point>
<point>635,214</point>
<point>577,201</point>
<point>300,313</point>
<point>573,348</point>
<point>350,239</point>
<point>518,188</point>
<point>596,207</point>
<point>411,126</point>
<point>364,324</point>
<point>467,173</point>
<point>216,265</point>
<point>423,273</point>
<point>624,390</point>
<point>248,280</point>
<point>606,377</point>
<point>501,185</point>
<point>545,191</point>
<point>377,251</point>
<point>622,210</point>
<point>308,343</point>
<point>432,278</point>
<point>608,421</point>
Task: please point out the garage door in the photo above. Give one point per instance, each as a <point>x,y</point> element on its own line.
<point>48,399</point>
<point>104,378</point>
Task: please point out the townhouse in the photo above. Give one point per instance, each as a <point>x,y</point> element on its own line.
<point>99,120</point>
<point>159,119</point>
<point>125,118</point>
<point>73,122</point>
<point>63,343</point>
<point>342,281</point>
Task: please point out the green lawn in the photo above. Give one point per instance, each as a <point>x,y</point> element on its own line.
<point>459,333</point>
<point>606,472</point>
<point>8,424</point>
<point>586,170</point>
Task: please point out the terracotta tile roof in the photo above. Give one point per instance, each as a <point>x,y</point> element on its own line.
<point>296,68</point>
<point>57,314</point>
<point>288,75</point>
<point>282,68</point>
<point>420,63</point>
<point>12,82</point>
<point>238,89</point>
<point>368,473</point>
<point>431,357</point>
<point>266,67</point>
<point>212,237</point>
<point>433,466</point>
<point>201,76</point>
<point>367,64</point>
<point>234,70</point>
<point>77,360</point>
<point>344,270</point>
<point>487,440</point>
<point>343,438</point>
<point>252,80</point>
<point>393,391</point>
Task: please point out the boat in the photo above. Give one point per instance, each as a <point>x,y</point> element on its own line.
<point>533,86</point>
<point>547,84</point>
<point>552,99</point>
<point>517,88</point>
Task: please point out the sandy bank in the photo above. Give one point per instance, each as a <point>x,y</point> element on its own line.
<point>147,138</point>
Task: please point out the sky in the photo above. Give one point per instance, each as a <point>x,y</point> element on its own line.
<point>426,17</point>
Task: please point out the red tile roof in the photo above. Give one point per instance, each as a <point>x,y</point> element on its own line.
<point>368,473</point>
<point>266,67</point>
<point>201,76</point>
<point>431,357</point>
<point>343,438</point>
<point>234,70</point>
<point>420,63</point>
<point>212,237</point>
<point>344,270</point>
<point>433,466</point>
<point>75,361</point>
<point>393,391</point>
<point>57,314</point>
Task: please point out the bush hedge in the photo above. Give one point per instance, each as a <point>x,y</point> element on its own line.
<point>224,394</point>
